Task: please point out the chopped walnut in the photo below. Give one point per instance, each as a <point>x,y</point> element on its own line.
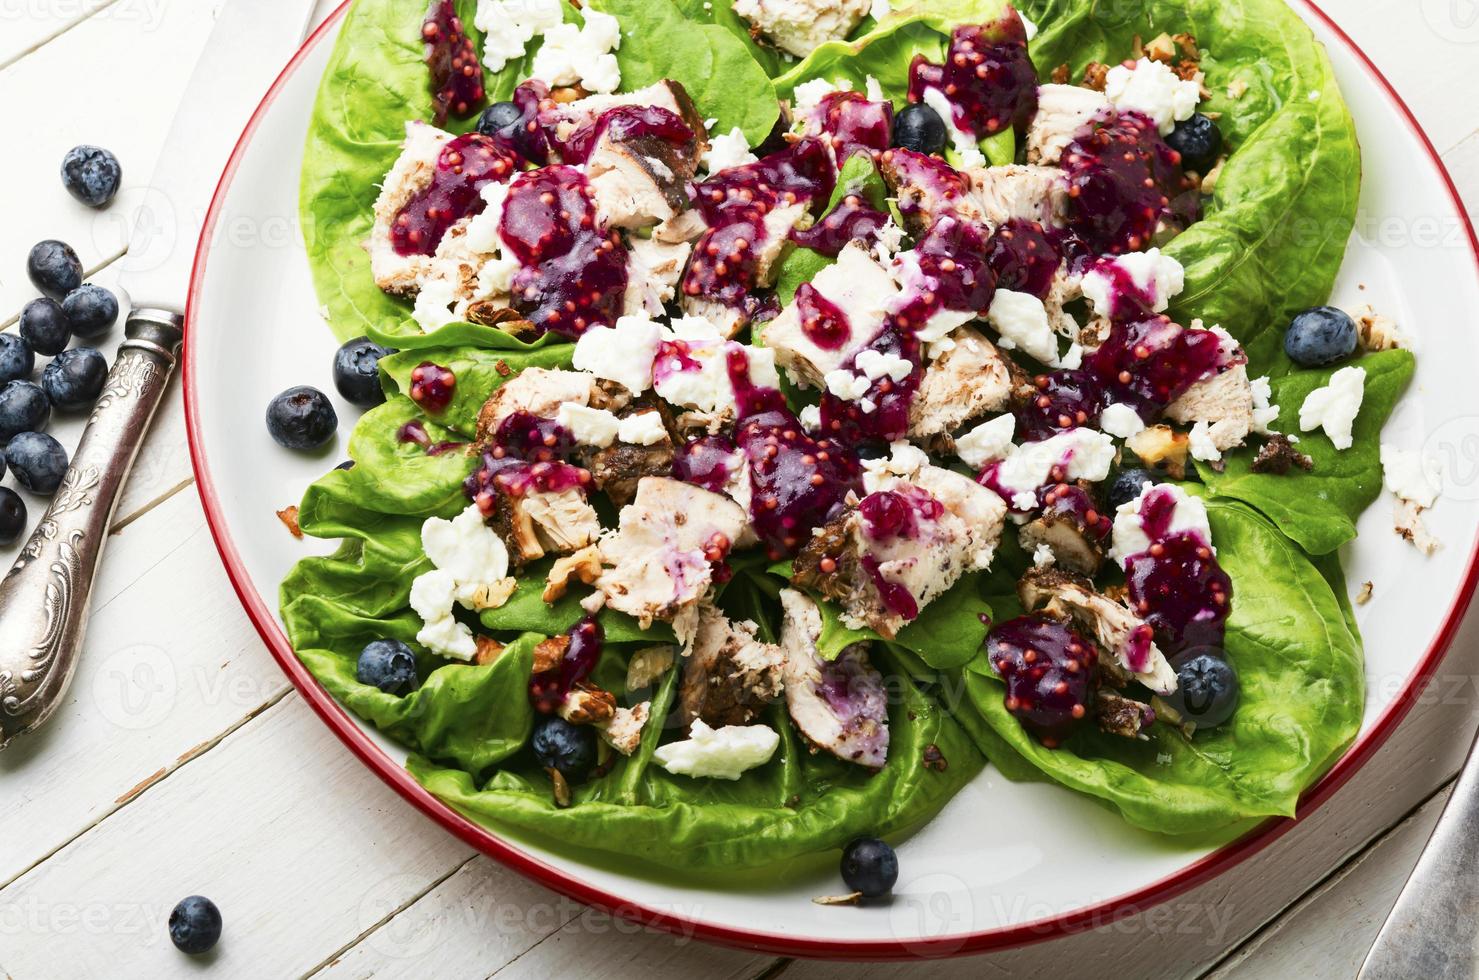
<point>1187,44</point>
<point>502,368</point>
<point>1236,89</point>
<point>588,705</point>
<point>1190,71</point>
<point>1209,182</point>
<point>560,787</point>
<point>289,518</point>
<point>934,759</point>
<point>1161,48</point>
<point>1364,596</point>
<point>648,665</point>
<point>1375,332</point>
<point>1061,74</point>
<point>1096,76</point>
<point>568,93</point>
<point>549,653</point>
<point>488,650</point>
<point>1119,715</point>
<point>1278,455</point>
<point>584,565</point>
<point>494,594</point>
<point>1137,48</point>
<point>1162,448</point>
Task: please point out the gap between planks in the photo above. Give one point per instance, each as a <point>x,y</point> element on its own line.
<point>44,41</point>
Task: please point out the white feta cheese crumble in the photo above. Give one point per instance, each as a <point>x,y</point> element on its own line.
<point>432,597</point>
<point>1156,276</point>
<point>642,429</point>
<point>873,89</point>
<point>842,383</point>
<point>987,442</point>
<point>1411,475</point>
<point>622,353</point>
<point>572,54</point>
<point>433,309</point>
<point>1188,513</point>
<point>876,364</point>
<point>1335,406</point>
<point>588,426</point>
<point>482,231</point>
<point>1028,26</point>
<point>509,25</point>
<point>810,417</point>
<point>707,387</point>
<point>467,549</point>
<point>719,753</point>
<point>1201,444</point>
<point>1084,454</point>
<point>1021,321</point>
<point>880,9</point>
<point>1043,557</point>
<point>728,150</point>
<point>967,149</point>
<point>1264,414</point>
<point>1154,89</point>
<point>903,461</point>
<point>888,240</point>
<point>1121,421</point>
<point>808,95</point>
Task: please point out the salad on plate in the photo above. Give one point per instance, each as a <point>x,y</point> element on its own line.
<point>785,409</point>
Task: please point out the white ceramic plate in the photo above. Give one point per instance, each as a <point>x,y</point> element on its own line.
<point>254,330</point>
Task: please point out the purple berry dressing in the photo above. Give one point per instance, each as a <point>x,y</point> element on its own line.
<point>432,386</point>
<point>937,182</point>
<point>574,272</point>
<point>622,123</point>
<point>466,164</point>
<point>853,219</point>
<point>1024,257</point>
<point>822,321</point>
<point>853,124</point>
<point>1049,672</point>
<point>797,483</point>
<point>1147,364</point>
<point>1176,585</point>
<point>882,413</point>
<point>456,73</point>
<point>527,137</point>
<point>548,689</point>
<point>1062,400</point>
<point>987,77</point>
<point>708,461</point>
<point>414,432</point>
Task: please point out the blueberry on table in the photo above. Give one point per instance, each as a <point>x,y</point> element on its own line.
<point>919,128</point>
<point>387,664</point>
<point>357,372</point>
<point>1127,486</point>
<point>12,515</point>
<point>568,749</point>
<point>38,462</point>
<point>54,268</point>
<point>1320,335</point>
<point>195,925</point>
<point>1206,688</point>
<point>24,407</point>
<point>17,359</point>
<point>75,378</point>
<point>91,310</point>
<point>91,174</point>
<point>870,867</point>
<point>44,326</point>
<point>1199,142</point>
<point>301,418</point>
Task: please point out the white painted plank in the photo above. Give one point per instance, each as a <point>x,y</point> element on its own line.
<point>25,25</point>
<point>1329,931</point>
<point>298,844</point>
<point>1463,165</point>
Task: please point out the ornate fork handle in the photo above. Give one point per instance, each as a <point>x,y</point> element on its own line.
<point>44,600</point>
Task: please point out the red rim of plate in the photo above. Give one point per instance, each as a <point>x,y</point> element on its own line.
<point>1096,915</point>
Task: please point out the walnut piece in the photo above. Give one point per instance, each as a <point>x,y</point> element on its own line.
<point>1278,455</point>
<point>289,518</point>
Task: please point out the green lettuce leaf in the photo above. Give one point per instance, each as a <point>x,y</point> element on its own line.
<point>859,175</point>
<point>478,372</point>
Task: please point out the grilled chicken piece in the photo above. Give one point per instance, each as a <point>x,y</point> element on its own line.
<point>729,676</point>
<point>777,225</point>
<point>858,286</point>
<point>1224,401</point>
<point>538,391</point>
<point>414,169</point>
<point>1063,111</point>
<point>617,469</point>
<point>641,181</point>
<point>798,27</point>
<point>969,380</point>
<point>927,189</point>
<point>660,559</point>
<point>839,706</point>
<point>653,270</point>
<point>1114,627</point>
<point>1116,714</point>
<point>1067,533</point>
<point>623,732</point>
<point>1014,191</point>
<point>538,523</point>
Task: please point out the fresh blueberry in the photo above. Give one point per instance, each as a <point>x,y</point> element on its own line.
<point>44,326</point>
<point>387,664</point>
<point>357,372</point>
<point>1127,486</point>
<point>348,464</point>
<point>91,310</point>
<point>1199,142</point>
<point>870,866</point>
<point>24,407</point>
<point>38,461</point>
<point>1206,688</point>
<point>1320,335</point>
<point>12,516</point>
<point>54,268</point>
<point>91,174</point>
<point>195,925</point>
<point>74,379</point>
<point>498,117</point>
<point>919,128</point>
<point>301,418</point>
<point>570,749</point>
<point>17,360</point>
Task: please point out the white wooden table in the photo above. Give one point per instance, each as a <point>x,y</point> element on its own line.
<point>185,762</point>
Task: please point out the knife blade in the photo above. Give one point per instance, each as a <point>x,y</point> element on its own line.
<point>247,48</point>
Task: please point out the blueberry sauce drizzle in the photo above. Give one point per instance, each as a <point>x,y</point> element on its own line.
<point>1177,585</point>
<point>623,123</point>
<point>526,454</point>
<point>456,73</point>
<point>853,124</point>
<point>853,219</point>
<point>1126,188</point>
<point>549,689</point>
<point>432,386</point>
<point>464,166</point>
<point>1049,670</point>
<point>708,461</point>
<point>1024,257</point>
<point>987,77</point>
<point>414,432</point>
<point>527,137</point>
<point>822,321</point>
<point>573,272</point>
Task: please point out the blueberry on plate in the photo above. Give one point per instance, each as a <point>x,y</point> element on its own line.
<point>870,867</point>
<point>24,407</point>
<point>301,418</point>
<point>357,372</point>
<point>498,117</point>
<point>1206,688</point>
<point>1199,142</point>
<point>1127,486</point>
<point>91,310</point>
<point>91,174</point>
<point>17,359</point>
<point>74,379</point>
<point>54,268</point>
<point>44,326</point>
<point>1320,335</point>
<point>569,749</point>
<point>38,462</point>
<point>919,128</point>
<point>195,925</point>
<point>387,664</point>
<point>12,516</point>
